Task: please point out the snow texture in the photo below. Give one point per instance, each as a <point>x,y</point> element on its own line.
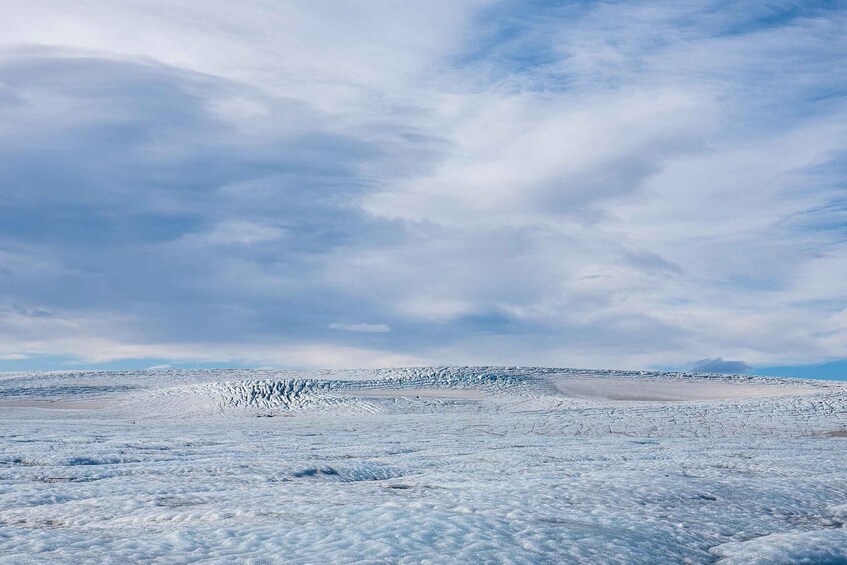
<point>438,465</point>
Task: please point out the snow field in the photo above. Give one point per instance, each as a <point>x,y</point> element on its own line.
<point>216,467</point>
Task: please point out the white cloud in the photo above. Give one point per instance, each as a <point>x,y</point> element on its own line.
<point>610,184</point>
<point>88,338</point>
<point>13,356</point>
<point>360,328</point>
<point>236,232</point>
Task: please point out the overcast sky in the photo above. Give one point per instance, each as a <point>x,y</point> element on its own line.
<point>382,183</point>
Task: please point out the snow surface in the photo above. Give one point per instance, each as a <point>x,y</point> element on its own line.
<point>438,465</point>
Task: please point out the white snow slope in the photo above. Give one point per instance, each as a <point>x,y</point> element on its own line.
<point>428,465</point>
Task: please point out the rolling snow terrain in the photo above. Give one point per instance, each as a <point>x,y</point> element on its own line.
<point>437,465</point>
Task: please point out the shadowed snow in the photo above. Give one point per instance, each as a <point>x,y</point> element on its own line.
<point>643,389</point>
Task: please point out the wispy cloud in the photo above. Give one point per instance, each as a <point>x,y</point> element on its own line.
<point>622,184</point>
<point>362,328</point>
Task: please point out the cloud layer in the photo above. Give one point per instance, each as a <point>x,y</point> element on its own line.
<point>617,184</point>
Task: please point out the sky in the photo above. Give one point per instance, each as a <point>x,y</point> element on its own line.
<point>633,185</point>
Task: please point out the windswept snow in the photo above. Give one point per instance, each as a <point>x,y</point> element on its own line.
<point>444,465</point>
<point>610,388</point>
<point>53,404</point>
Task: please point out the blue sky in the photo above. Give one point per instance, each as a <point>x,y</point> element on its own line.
<point>323,184</point>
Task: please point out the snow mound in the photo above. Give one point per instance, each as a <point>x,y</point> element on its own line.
<point>250,397</point>
<point>822,547</point>
<point>629,389</point>
<point>275,396</point>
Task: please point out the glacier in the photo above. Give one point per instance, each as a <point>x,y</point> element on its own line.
<point>421,465</point>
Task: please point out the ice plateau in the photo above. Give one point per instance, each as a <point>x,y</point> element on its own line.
<point>421,465</point>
